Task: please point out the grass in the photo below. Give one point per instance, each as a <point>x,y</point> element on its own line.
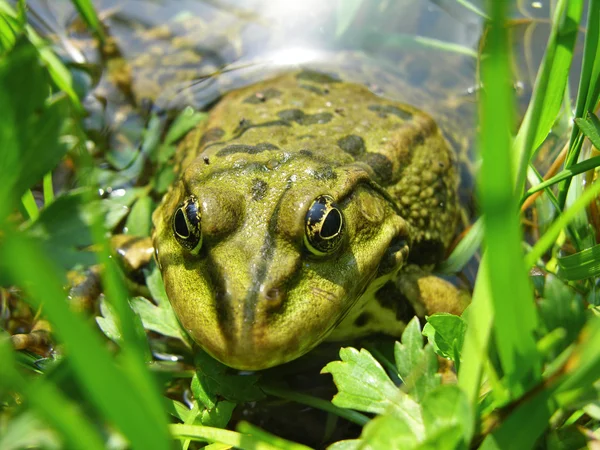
<point>530,353</point>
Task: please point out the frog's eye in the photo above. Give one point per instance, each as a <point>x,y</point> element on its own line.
<point>324,226</point>
<point>186,225</point>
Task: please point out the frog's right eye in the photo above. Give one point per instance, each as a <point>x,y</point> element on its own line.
<point>186,225</point>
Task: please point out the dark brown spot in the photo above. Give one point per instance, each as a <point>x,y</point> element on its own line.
<point>259,189</point>
<point>262,96</point>
<point>390,297</point>
<point>362,320</point>
<point>206,160</point>
<point>427,251</point>
<point>381,165</point>
<point>383,111</point>
<point>298,116</point>
<point>324,173</point>
<point>317,77</point>
<point>352,144</point>
<point>305,152</point>
<point>243,148</point>
<point>212,134</point>
<point>313,89</point>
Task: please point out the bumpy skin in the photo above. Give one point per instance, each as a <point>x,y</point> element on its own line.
<point>254,296</point>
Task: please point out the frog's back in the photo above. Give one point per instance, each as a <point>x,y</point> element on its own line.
<point>317,122</point>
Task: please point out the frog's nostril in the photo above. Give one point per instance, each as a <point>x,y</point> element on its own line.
<point>274,297</point>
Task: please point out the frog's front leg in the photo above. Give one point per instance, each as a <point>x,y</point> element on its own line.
<point>388,307</point>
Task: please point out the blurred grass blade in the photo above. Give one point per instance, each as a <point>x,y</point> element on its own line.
<point>590,126</point>
<point>118,397</point>
<point>550,85</point>
<point>89,16</point>
<point>589,87</point>
<point>50,403</point>
<point>581,265</point>
<point>249,438</point>
<point>509,287</point>
<point>464,251</point>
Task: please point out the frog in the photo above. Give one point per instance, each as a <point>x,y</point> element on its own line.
<point>306,207</point>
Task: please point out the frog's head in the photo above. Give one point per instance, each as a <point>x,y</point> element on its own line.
<point>263,257</point>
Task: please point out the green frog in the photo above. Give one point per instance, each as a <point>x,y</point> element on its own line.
<point>306,208</point>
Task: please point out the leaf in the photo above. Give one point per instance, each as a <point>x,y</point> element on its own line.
<point>63,227</point>
<point>387,432</point>
<point>447,413</point>
<point>108,321</point>
<point>417,366</point>
<point>207,398</point>
<point>446,333</point>
<point>160,317</point>
<point>185,121</point>
<point>139,221</point>
<point>215,379</point>
<point>363,385</point>
<point>30,126</point>
<point>580,265</point>
<point>218,416</point>
<point>590,126</point>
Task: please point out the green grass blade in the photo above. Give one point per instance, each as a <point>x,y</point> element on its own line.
<point>30,206</point>
<point>509,286</point>
<point>590,126</point>
<point>589,87</point>
<point>550,84</point>
<point>89,16</point>
<point>119,399</point>
<point>247,439</point>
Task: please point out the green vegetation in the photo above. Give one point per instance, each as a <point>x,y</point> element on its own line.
<point>527,351</point>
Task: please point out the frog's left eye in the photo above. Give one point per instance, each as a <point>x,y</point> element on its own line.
<point>324,226</point>
<point>186,225</point>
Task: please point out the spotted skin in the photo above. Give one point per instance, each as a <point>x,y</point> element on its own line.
<point>256,294</point>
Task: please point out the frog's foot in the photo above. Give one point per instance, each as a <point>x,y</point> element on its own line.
<point>429,294</point>
<point>38,340</point>
<point>389,308</point>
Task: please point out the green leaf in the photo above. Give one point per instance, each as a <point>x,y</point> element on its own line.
<point>363,385</point>
<point>184,122</point>
<point>64,229</point>
<point>590,126</point>
<point>139,221</point>
<point>108,321</point>
<point>581,265</point>
<point>26,156</point>
<point>447,413</point>
<point>89,16</point>
<point>446,333</point>
<point>388,432</point>
<point>215,379</point>
<point>219,415</point>
<point>207,398</point>
<point>417,365</point>
<point>160,317</point>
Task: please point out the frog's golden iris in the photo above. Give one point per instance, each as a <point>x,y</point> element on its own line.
<point>324,225</point>
<point>187,225</point>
